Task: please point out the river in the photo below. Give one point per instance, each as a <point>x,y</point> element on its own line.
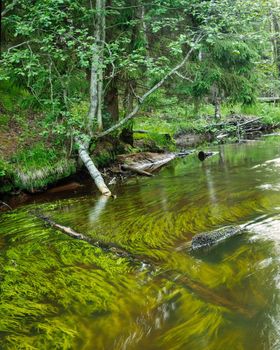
<point>61,293</point>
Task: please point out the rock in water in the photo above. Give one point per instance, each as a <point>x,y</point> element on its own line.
<point>210,238</point>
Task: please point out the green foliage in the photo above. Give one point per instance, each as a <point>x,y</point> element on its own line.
<point>12,97</point>
<point>39,166</point>
<point>4,168</point>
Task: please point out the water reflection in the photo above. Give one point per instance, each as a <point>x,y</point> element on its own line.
<point>98,208</point>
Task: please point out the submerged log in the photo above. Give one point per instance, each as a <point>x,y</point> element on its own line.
<point>108,247</point>
<point>214,298</point>
<point>208,239</point>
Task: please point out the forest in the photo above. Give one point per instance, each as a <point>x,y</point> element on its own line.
<point>79,78</point>
<point>139,174</point>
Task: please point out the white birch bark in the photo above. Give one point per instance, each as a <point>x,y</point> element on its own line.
<point>95,66</point>
<point>100,66</point>
<point>94,172</point>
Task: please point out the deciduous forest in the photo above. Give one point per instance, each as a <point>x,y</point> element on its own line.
<point>139,174</point>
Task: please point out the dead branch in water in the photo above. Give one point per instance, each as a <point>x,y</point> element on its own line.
<point>108,247</point>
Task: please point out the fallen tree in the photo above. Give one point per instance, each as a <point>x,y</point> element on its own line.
<point>144,97</point>
<point>92,169</point>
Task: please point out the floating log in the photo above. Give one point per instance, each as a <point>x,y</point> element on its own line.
<point>208,239</point>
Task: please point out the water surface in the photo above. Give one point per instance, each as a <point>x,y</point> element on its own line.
<point>61,293</point>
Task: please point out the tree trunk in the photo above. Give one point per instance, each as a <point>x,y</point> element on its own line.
<point>217,108</point>
<point>276,42</point>
<point>96,80</point>
<point>141,99</point>
<point>145,30</point>
<point>100,69</point>
<point>112,100</point>
<point>94,172</point>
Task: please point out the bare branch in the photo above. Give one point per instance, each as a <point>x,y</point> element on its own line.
<point>183,77</point>
<point>18,45</point>
<point>148,93</point>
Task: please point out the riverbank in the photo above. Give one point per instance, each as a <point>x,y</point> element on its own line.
<point>31,162</point>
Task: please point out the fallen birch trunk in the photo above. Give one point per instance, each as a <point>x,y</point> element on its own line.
<point>94,172</point>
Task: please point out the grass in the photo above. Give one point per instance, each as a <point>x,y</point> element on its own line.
<point>35,168</point>
<point>173,120</point>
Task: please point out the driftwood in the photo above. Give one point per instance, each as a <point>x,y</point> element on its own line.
<point>236,126</point>
<point>145,163</point>
<point>135,170</point>
<point>108,247</point>
<point>196,287</point>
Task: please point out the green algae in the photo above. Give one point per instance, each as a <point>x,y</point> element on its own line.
<point>60,293</point>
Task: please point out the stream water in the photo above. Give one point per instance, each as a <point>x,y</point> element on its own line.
<point>61,293</point>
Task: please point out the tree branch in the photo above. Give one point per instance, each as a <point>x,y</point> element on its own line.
<point>183,77</point>
<point>9,8</point>
<point>142,99</point>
